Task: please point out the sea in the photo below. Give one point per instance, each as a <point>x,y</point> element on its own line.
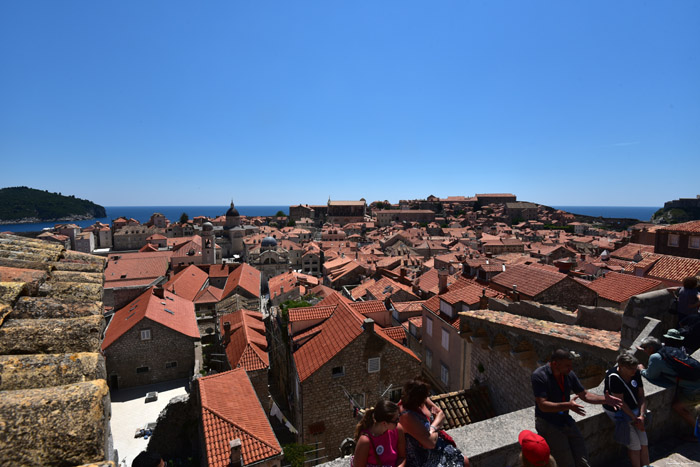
<point>143,214</point>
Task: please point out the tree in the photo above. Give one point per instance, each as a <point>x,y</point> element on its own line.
<point>184,218</point>
<point>280,214</point>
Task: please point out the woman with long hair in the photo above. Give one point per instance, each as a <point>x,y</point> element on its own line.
<point>422,422</point>
<point>379,438</point>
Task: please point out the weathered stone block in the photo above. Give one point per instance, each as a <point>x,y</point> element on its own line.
<point>54,426</point>
<point>75,291</point>
<point>10,291</point>
<point>29,336</point>
<point>45,307</point>
<point>77,276</point>
<point>77,266</point>
<point>42,370</point>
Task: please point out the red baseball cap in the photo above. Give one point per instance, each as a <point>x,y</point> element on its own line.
<point>535,448</point>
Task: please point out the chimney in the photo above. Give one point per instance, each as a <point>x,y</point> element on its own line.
<point>442,281</point>
<point>235,446</point>
<point>159,292</point>
<point>516,295</point>
<point>402,271</point>
<point>368,325</point>
<point>483,300</point>
<point>227,327</point>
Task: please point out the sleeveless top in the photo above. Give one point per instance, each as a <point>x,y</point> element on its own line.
<point>384,445</point>
<point>442,455</point>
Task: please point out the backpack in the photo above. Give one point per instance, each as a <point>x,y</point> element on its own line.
<point>685,366</point>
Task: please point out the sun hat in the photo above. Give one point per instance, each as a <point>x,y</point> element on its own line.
<point>535,448</point>
<point>674,334</point>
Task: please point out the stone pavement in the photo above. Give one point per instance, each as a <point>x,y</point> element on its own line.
<point>130,411</point>
<point>673,452</point>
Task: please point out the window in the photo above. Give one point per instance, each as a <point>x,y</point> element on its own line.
<point>429,358</point>
<point>373,365</point>
<point>445,339</point>
<point>338,371</point>
<point>673,239</point>
<point>142,369</point>
<point>444,375</point>
<point>145,334</point>
<point>170,364</point>
<point>394,395</point>
<point>694,242</point>
<point>428,326</point>
<point>359,400</point>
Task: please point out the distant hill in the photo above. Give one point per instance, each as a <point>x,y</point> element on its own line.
<point>679,210</point>
<point>21,204</point>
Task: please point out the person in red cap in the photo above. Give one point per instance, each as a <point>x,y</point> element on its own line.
<point>535,450</point>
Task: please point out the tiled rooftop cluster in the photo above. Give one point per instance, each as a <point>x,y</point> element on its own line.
<point>54,399</point>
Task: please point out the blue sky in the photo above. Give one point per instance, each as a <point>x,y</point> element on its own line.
<point>195,103</point>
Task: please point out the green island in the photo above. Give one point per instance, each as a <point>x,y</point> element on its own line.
<point>21,204</point>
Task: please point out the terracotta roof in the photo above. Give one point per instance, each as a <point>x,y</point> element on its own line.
<point>386,287</point>
<point>218,270</point>
<point>246,277</point>
<point>245,345</point>
<point>429,281</point>
<point>685,227</point>
<point>398,333</point>
<point>187,283</point>
<point>468,292</point>
<point>631,250</point>
<point>674,268</point>
<point>333,299</point>
<point>310,313</point>
<point>618,287</point>
<point>130,266</point>
<point>465,407</point>
<point>171,311</point>
<point>210,294</point>
<point>407,307</point>
<point>231,410</point>
<point>361,290</point>
<point>370,306</point>
<point>530,280</point>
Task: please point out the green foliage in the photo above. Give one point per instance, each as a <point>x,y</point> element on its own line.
<point>565,228</point>
<point>280,214</point>
<point>294,453</point>
<point>184,218</point>
<point>291,222</point>
<point>21,202</point>
<point>285,306</point>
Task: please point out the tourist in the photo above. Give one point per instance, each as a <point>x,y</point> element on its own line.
<point>422,422</point>
<point>625,381</point>
<point>534,451</point>
<point>379,438</point>
<point>552,385</point>
<point>688,298</point>
<point>659,372</point>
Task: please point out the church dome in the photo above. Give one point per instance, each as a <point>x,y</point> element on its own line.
<point>232,212</point>
<point>207,226</point>
<point>268,242</point>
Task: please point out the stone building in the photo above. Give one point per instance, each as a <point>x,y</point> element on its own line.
<point>151,340</point>
<point>347,362</point>
<point>345,212</point>
<point>386,217</point>
<point>133,237</point>
<point>679,240</point>
<point>51,319</point>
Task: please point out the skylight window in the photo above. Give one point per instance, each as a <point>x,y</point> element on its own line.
<point>169,311</point>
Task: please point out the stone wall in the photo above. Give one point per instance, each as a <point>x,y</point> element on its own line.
<point>325,407</point>
<point>608,319</point>
<point>654,305</point>
<point>569,294</point>
<point>504,376</point>
<point>129,352</point>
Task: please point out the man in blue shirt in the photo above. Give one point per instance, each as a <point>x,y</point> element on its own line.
<point>552,385</point>
<point>660,373</point>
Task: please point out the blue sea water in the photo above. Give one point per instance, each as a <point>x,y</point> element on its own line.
<point>143,214</point>
<point>643,213</point>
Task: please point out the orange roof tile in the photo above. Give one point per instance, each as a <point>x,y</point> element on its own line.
<point>187,283</point>
<point>618,287</point>
<point>530,280</point>
<point>171,311</point>
<point>370,306</point>
<point>245,343</point>
<point>245,277</point>
<point>398,333</point>
<point>210,294</point>
<point>135,266</point>
<point>407,307</point>
<point>231,410</point>
<point>685,227</point>
<point>674,268</point>
<point>631,250</point>
<point>310,313</point>
<point>468,292</point>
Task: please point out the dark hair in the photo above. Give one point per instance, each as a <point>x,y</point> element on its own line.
<point>146,459</point>
<point>561,354</point>
<point>526,463</point>
<point>415,392</point>
<point>383,411</point>
<point>651,342</point>
<point>627,360</point>
<point>690,282</point>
